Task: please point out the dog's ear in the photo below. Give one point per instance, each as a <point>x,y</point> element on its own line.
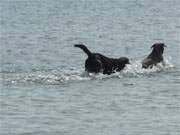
<point>162,45</point>
<point>158,44</point>
<point>153,45</point>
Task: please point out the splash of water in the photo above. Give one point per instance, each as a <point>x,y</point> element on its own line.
<point>73,74</point>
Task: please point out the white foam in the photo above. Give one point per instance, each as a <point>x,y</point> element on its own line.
<point>74,74</point>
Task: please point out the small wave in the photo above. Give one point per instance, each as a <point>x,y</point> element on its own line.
<point>135,69</point>
<point>56,77</point>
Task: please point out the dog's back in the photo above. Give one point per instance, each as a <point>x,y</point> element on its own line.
<point>97,62</point>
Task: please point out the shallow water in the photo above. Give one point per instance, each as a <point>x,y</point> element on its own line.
<point>45,90</point>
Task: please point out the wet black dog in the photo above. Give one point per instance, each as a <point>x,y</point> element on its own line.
<point>156,56</point>
<point>97,62</point>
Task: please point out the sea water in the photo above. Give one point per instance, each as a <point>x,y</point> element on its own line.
<point>44,89</point>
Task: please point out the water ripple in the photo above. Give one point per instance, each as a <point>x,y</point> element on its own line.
<point>56,77</point>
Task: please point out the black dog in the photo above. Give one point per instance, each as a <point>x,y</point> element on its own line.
<point>97,62</point>
<point>156,56</point>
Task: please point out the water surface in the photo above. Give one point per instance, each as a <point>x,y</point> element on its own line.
<point>45,90</point>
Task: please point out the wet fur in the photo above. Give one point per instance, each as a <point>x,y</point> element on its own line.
<point>97,62</point>
<point>155,57</point>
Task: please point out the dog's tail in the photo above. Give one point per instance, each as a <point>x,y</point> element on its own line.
<point>84,48</point>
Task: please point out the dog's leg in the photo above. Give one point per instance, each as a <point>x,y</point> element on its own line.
<point>93,65</point>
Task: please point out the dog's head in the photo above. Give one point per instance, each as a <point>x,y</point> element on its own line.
<point>158,47</point>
